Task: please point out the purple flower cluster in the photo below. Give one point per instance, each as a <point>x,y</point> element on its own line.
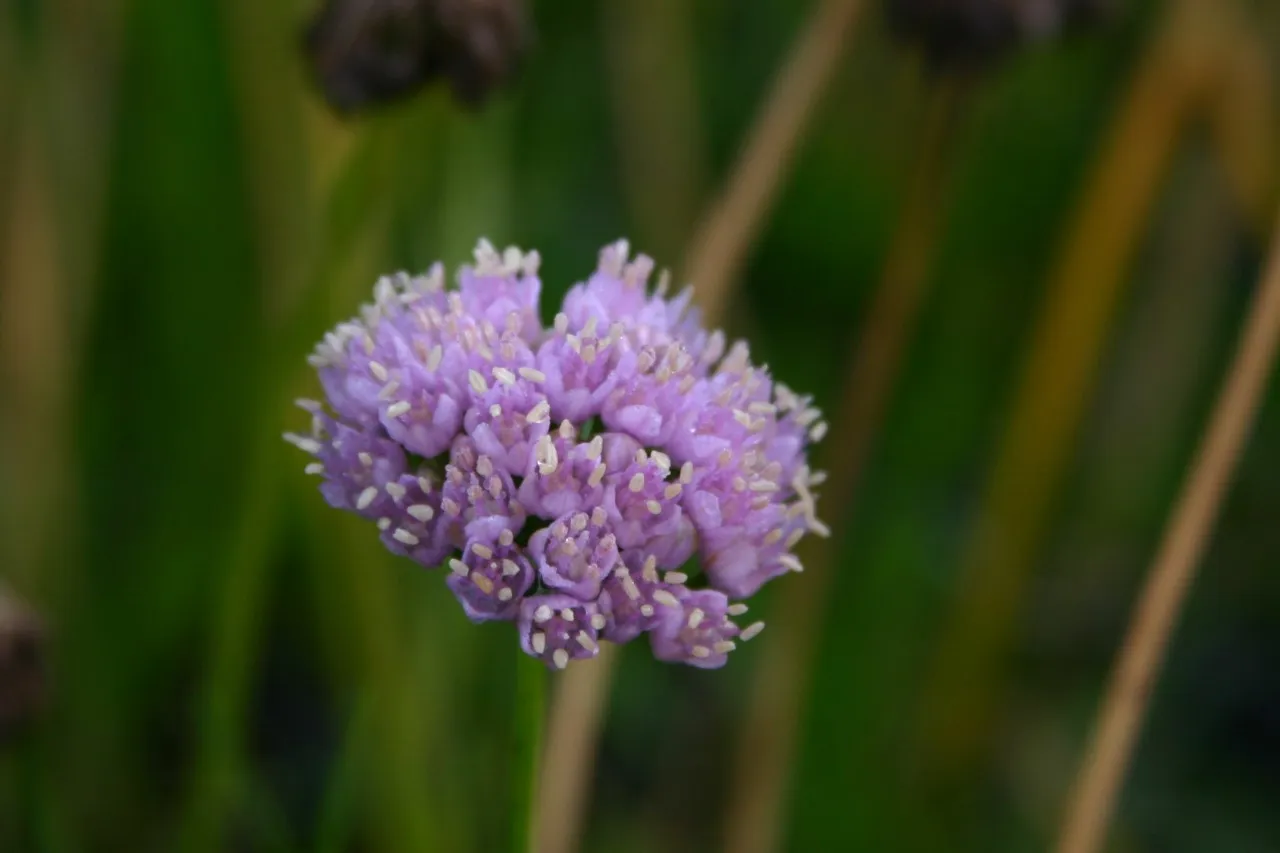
<point>566,475</point>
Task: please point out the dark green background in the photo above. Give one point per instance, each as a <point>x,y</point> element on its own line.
<point>236,667</point>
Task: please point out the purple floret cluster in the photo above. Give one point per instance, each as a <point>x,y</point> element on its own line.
<point>618,473</point>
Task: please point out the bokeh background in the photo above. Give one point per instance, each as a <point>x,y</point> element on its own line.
<point>230,665</point>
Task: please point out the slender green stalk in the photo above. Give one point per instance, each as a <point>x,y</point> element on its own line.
<point>529,719</point>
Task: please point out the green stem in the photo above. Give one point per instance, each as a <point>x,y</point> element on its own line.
<point>530,713</point>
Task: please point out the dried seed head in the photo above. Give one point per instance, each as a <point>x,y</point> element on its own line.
<point>22,665</point>
<point>365,53</point>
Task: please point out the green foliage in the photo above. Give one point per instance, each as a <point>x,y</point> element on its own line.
<point>237,668</point>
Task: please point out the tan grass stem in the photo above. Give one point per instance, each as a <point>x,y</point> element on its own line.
<point>1137,668</point>
<point>729,228</point>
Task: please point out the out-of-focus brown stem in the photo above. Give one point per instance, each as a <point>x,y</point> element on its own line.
<point>35,370</point>
<point>719,248</point>
<point>1172,571</point>
<point>1056,383</point>
<point>572,734</point>
<point>766,747</point>
<point>581,699</point>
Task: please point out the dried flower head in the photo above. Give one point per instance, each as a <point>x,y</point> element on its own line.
<point>370,52</point>
<point>22,670</point>
<point>961,33</point>
<point>620,472</point>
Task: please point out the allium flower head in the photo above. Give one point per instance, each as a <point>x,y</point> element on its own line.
<point>618,473</point>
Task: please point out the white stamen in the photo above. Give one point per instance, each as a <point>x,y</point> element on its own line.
<point>637,482</point>
<point>366,459</point>
<point>701,652</point>
<point>395,490</point>
<point>505,594</point>
<point>510,568</point>
<point>458,567</point>
<point>546,456</point>
<point>560,658</point>
<point>649,571</point>
<point>532,374</point>
<point>384,523</point>
<point>314,468</point>
<point>653,506</point>
<point>665,598</point>
<point>723,647</point>
<point>686,473</point>
<point>676,578</point>
<point>808,416</point>
<point>421,512</point>
<point>751,630</point>
<point>484,552</point>
<point>646,610</point>
<point>506,537</point>
<point>792,562</point>
<point>597,476</point>
<point>695,617</point>
<point>402,535</point>
<point>379,372</point>
<point>434,357</point>
<point>477,381</point>
<point>539,413</point>
<point>672,491</point>
<point>736,609</point>
<point>366,497</point>
<point>566,614</point>
<point>539,642</point>
<point>483,583</point>
<point>584,640</point>
<point>395,410</point>
<point>542,614</point>
<point>389,390</point>
<point>503,375</point>
<point>598,621</point>
<point>819,430</point>
<point>306,445</point>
